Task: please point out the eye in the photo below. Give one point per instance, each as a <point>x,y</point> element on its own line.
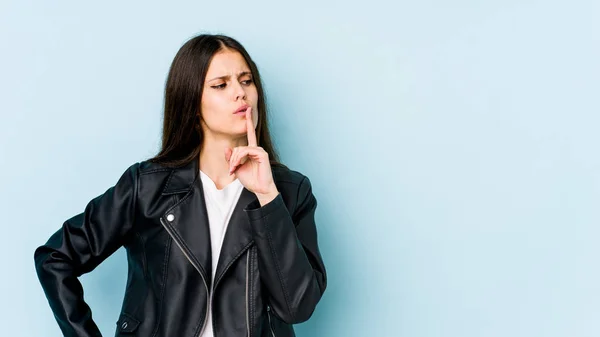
<point>220,86</point>
<point>247,82</point>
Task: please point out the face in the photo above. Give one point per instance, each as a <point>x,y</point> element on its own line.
<point>228,86</point>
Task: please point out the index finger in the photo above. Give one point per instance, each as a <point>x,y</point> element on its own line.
<point>250,128</point>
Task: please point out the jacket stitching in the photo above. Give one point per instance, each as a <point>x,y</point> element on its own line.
<point>136,194</point>
<point>182,199</point>
<point>164,284</point>
<point>254,290</point>
<point>251,296</point>
<point>231,262</point>
<point>155,170</point>
<point>168,182</point>
<point>183,190</point>
<point>142,243</point>
<point>278,269</point>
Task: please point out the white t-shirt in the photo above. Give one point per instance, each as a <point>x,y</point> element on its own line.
<point>219,205</point>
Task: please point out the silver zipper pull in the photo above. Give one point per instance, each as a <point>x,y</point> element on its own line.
<point>270,324</point>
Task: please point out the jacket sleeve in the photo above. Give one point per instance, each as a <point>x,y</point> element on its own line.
<point>80,245</point>
<point>290,263</point>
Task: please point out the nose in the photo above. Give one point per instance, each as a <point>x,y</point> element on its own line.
<point>239,92</point>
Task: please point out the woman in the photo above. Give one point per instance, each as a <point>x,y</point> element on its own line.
<point>220,237</point>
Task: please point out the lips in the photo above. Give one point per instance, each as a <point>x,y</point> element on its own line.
<point>241,109</point>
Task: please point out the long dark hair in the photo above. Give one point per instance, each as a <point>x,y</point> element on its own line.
<point>181,135</point>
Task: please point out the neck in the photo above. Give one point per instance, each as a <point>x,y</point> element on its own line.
<point>212,157</point>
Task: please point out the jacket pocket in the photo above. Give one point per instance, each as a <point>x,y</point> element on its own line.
<point>127,324</point>
<point>277,327</point>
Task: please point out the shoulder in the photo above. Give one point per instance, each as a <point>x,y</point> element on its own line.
<point>168,180</point>
<point>150,175</point>
<point>148,167</point>
<point>293,185</point>
<point>286,176</point>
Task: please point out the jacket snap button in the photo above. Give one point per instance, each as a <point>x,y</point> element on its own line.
<point>170,217</point>
<point>124,325</point>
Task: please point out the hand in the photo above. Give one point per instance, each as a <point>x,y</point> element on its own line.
<point>251,165</point>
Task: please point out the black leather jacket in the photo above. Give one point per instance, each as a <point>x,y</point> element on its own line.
<point>270,273</point>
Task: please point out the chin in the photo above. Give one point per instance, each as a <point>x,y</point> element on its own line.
<point>238,131</point>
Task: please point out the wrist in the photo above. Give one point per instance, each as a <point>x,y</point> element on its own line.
<point>265,198</point>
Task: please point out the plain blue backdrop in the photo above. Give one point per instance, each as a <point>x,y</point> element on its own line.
<point>452,146</point>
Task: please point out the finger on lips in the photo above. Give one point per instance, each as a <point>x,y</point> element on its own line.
<point>237,154</point>
<point>250,128</point>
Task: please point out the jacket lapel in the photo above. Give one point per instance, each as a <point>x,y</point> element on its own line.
<point>238,235</point>
<point>187,220</point>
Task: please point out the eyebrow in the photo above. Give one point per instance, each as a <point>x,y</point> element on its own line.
<point>240,74</point>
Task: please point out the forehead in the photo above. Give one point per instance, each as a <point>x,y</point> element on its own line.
<point>227,63</point>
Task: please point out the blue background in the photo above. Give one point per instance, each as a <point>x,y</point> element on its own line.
<point>452,145</point>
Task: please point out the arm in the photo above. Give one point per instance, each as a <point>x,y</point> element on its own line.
<point>81,244</point>
<point>290,263</point>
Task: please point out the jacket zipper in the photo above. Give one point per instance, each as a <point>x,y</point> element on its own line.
<point>247,271</point>
<point>269,317</point>
<point>208,293</point>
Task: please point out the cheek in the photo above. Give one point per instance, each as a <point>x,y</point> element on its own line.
<point>212,108</point>
<point>210,101</point>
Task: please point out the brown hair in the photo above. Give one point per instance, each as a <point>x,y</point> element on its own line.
<point>181,134</point>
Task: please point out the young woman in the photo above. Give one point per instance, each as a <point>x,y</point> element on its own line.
<point>220,237</point>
